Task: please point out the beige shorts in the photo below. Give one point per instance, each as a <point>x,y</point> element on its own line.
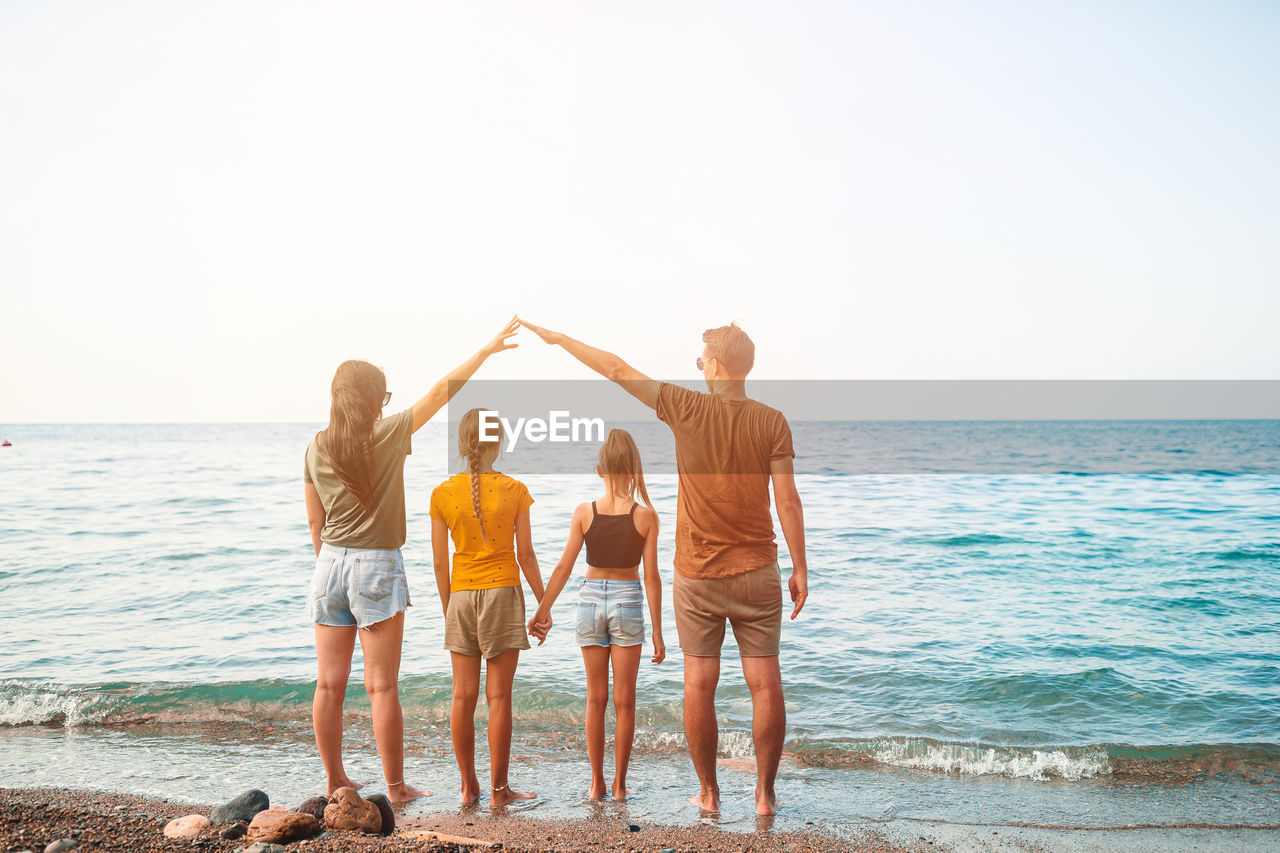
<point>751,602</point>
<point>485,622</point>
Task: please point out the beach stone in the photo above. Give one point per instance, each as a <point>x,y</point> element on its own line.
<point>384,807</point>
<point>264,847</point>
<point>631,827</point>
<point>243,807</point>
<point>314,807</point>
<point>61,845</point>
<point>346,810</point>
<point>186,827</point>
<point>281,827</point>
<point>234,831</point>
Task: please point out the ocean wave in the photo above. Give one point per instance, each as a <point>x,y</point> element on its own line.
<point>555,719</point>
<point>27,703</point>
<point>1066,763</point>
<point>23,704</point>
<point>1258,763</point>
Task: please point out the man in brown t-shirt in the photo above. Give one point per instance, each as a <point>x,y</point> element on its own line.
<point>729,448</point>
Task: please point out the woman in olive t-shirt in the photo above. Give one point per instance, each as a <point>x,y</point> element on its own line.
<point>354,483</point>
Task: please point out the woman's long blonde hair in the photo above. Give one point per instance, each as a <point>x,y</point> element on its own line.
<point>357,390</point>
<point>620,461</point>
<point>469,448</point>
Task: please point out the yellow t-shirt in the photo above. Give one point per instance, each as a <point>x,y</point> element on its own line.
<point>480,564</point>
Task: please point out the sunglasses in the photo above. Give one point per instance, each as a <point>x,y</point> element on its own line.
<point>713,358</point>
<point>386,398</point>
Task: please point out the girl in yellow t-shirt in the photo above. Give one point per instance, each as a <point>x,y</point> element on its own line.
<point>486,515</point>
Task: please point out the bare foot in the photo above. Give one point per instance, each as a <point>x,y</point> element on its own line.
<point>402,793</point>
<point>470,794</point>
<point>501,796</point>
<point>342,782</point>
<point>766,803</point>
<point>619,790</point>
<point>707,800</point>
<point>597,790</point>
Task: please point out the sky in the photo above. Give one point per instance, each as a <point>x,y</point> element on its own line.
<point>205,207</point>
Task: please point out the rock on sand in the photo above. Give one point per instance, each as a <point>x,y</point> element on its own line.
<point>279,827</point>
<point>314,807</point>
<point>388,815</point>
<point>243,807</point>
<point>346,810</point>
<point>186,827</point>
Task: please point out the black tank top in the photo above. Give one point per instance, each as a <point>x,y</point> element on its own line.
<point>613,541</point>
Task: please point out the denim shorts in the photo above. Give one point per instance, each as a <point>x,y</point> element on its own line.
<point>610,613</point>
<point>356,586</point>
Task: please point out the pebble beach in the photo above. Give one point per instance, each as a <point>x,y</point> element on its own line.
<point>33,819</point>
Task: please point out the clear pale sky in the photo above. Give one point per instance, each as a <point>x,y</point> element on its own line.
<point>205,207</point>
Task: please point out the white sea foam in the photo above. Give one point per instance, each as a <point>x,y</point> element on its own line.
<point>967,760</point>
<point>25,704</point>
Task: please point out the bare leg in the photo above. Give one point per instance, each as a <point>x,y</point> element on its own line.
<point>381,645</point>
<point>334,645</point>
<point>768,725</point>
<point>500,672</point>
<point>626,663</point>
<point>596,661</point>
<point>701,675</point>
<point>462,722</point>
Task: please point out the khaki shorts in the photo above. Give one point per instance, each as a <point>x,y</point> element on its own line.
<point>751,602</point>
<point>485,622</point>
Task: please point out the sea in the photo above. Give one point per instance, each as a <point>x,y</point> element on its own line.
<point>1066,637</point>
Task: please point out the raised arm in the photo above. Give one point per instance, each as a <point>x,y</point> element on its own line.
<point>791,517</point>
<point>525,557</point>
<point>606,364</point>
<point>440,560</point>
<point>540,623</point>
<point>452,382</point>
<point>315,515</point>
<point>653,581</point>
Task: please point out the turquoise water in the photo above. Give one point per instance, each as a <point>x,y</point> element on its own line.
<point>1059,638</point>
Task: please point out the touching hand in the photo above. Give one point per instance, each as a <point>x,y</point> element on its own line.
<point>799,585</point>
<point>546,334</point>
<point>499,342</point>
<point>539,628</point>
<point>659,649</point>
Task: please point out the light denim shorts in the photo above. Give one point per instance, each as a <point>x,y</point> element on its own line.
<point>356,586</point>
<point>610,613</point>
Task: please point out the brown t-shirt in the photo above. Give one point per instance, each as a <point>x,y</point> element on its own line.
<point>346,524</point>
<point>723,451</point>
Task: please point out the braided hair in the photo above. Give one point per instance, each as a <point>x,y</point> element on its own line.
<point>472,448</point>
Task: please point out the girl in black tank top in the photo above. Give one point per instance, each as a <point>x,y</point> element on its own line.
<point>612,540</point>
<point>609,620</point>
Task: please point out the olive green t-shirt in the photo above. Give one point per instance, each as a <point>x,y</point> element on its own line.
<point>346,524</point>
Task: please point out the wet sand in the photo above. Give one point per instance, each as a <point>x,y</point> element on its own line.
<point>30,819</point>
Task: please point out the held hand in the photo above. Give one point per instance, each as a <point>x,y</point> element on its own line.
<point>799,585</point>
<point>546,334</point>
<point>499,342</point>
<point>659,649</point>
<point>539,629</point>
